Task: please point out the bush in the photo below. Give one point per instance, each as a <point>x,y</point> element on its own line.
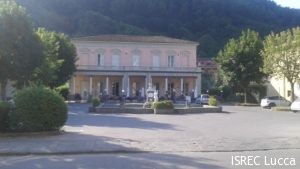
<point>63,91</point>
<point>4,116</point>
<point>214,91</point>
<point>147,105</point>
<point>212,101</point>
<point>95,102</point>
<point>166,104</point>
<point>38,109</point>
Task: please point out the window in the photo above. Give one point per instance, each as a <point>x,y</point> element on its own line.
<point>171,61</point>
<point>157,86</point>
<point>186,88</point>
<point>100,60</point>
<point>156,61</point>
<point>115,89</point>
<point>115,60</point>
<point>170,87</point>
<point>135,60</point>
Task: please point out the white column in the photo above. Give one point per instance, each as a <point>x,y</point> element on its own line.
<point>123,83</point>
<point>128,86</point>
<point>98,88</point>
<point>181,85</point>
<point>150,80</point>
<point>91,85</point>
<point>198,85</point>
<point>166,84</point>
<point>146,82</point>
<point>107,86</point>
<point>74,85</point>
<point>196,92</point>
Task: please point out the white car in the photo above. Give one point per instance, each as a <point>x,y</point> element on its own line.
<point>273,101</point>
<point>296,105</point>
<point>203,99</point>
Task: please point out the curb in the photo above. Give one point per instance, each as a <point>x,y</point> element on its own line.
<point>2,154</point>
<point>32,134</point>
<point>132,152</point>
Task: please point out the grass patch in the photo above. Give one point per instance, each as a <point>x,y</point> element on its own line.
<point>281,108</point>
<point>248,104</point>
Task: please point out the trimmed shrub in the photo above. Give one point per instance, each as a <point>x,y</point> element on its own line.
<point>38,109</point>
<point>4,116</point>
<point>95,102</point>
<point>212,101</point>
<point>166,104</point>
<point>63,91</point>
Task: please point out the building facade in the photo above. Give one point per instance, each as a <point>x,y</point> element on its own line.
<point>123,65</point>
<point>281,87</point>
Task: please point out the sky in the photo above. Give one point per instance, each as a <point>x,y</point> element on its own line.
<point>288,3</point>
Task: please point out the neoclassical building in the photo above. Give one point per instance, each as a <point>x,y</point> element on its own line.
<point>116,65</point>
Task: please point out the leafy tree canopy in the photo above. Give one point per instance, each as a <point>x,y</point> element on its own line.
<point>60,58</point>
<point>20,49</point>
<point>282,55</point>
<point>210,22</point>
<point>240,61</point>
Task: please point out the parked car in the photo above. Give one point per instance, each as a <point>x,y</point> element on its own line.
<point>272,101</point>
<point>295,106</point>
<point>202,99</point>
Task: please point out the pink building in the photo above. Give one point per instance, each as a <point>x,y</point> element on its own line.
<point>117,65</point>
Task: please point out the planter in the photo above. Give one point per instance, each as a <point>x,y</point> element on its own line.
<point>92,109</point>
<point>208,106</point>
<point>163,111</point>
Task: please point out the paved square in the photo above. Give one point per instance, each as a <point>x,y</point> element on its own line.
<point>237,129</point>
<point>158,141</point>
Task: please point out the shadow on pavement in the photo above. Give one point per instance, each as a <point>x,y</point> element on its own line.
<point>114,120</point>
<point>82,151</point>
<point>110,161</point>
<point>79,117</point>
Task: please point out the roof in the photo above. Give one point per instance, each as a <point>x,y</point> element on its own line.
<point>133,38</point>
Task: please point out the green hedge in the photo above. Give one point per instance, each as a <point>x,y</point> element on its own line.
<point>166,104</point>
<point>38,109</point>
<point>63,91</point>
<point>212,101</point>
<point>4,116</point>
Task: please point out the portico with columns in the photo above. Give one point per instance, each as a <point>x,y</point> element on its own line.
<point>118,65</point>
<point>132,85</point>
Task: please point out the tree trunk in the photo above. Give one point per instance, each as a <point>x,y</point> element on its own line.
<point>245,95</point>
<point>292,92</point>
<point>3,89</point>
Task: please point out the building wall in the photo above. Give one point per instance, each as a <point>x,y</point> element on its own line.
<point>134,79</point>
<point>281,87</point>
<point>185,55</point>
<point>10,90</point>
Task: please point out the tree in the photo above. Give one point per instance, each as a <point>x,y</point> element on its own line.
<point>240,61</point>
<point>187,19</point>
<point>281,55</point>
<point>20,48</point>
<point>60,57</point>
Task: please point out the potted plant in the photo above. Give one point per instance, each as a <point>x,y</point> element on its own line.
<point>95,104</point>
